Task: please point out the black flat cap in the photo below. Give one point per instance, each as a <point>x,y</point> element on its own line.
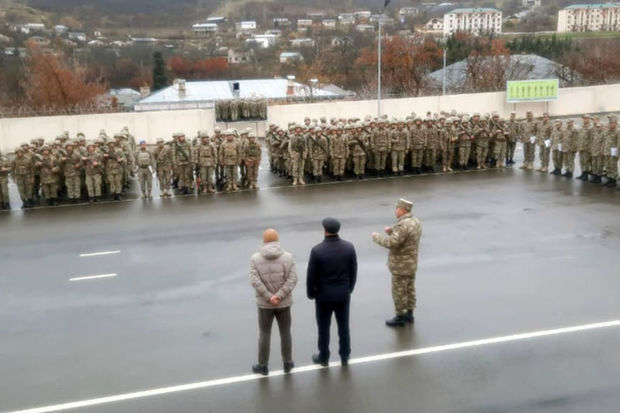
<point>331,225</point>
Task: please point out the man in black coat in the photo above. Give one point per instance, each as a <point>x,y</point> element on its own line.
<point>332,272</point>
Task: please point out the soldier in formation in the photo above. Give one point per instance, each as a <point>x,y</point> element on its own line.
<point>233,110</point>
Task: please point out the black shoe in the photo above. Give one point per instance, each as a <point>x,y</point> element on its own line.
<point>344,361</point>
<point>316,359</point>
<point>288,366</point>
<point>465,167</point>
<point>565,174</point>
<point>611,183</point>
<point>597,179</point>
<point>258,369</point>
<point>409,317</point>
<point>74,201</point>
<point>24,205</point>
<point>397,321</point>
<point>95,199</point>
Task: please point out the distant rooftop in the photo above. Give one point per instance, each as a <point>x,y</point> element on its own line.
<point>202,94</point>
<point>594,6</point>
<point>474,10</point>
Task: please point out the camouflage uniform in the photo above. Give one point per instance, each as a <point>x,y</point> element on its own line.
<point>358,144</point>
<point>318,150</point>
<point>22,171</point>
<point>398,145</point>
<point>481,139</point>
<point>500,133</point>
<point>145,161</point>
<point>297,151</point>
<point>72,171</point>
<point>612,139</point>
<point>596,150</point>
<point>230,158</point>
<point>529,130</point>
<point>465,140</point>
<point>114,167</point>
<point>164,163</point>
<point>182,159</point>
<point>381,147</point>
<point>403,243</point>
<point>569,148</point>
<point>556,148</point>
<point>584,142</point>
<point>432,143</point>
<point>93,169</point>
<point>417,143</point>
<point>5,168</point>
<point>206,161</point>
<point>514,134</point>
<point>338,150</point>
<point>252,156</point>
<point>544,143</point>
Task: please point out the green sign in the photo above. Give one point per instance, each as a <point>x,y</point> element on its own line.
<point>532,90</point>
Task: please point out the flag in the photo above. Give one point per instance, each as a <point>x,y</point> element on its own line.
<point>386,3</point>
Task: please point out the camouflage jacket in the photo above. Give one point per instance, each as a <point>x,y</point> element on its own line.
<point>403,243</point>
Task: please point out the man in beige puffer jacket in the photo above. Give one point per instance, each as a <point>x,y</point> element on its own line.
<point>273,276</point>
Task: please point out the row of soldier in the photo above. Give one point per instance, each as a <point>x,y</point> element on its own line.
<point>451,140</point>
<point>234,110</point>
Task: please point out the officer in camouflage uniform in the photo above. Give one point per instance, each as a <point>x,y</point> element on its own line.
<point>318,151</point>
<point>5,168</point>
<point>145,161</point>
<point>114,168</point>
<point>402,240</point>
<point>556,148</point>
<point>529,132</point>
<point>514,134</point>
<point>93,170</point>
<point>206,161</point>
<point>585,139</point>
<point>164,164</point>
<point>596,150</point>
<point>230,158</point>
<point>182,159</point>
<point>252,157</point>
<point>612,139</point>
<point>569,148</point>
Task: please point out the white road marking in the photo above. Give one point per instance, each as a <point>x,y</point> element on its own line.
<point>93,277</point>
<point>96,254</point>
<point>360,360</point>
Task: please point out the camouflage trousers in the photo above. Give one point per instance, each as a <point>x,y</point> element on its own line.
<point>4,189</point>
<point>611,166</point>
<point>499,151</point>
<point>115,180</point>
<point>569,161</point>
<point>417,156</point>
<point>252,174</point>
<point>544,153</point>
<point>359,164</point>
<point>231,174</point>
<point>481,155</point>
<point>93,185</point>
<point>398,161</point>
<point>338,166</point>
<point>317,166</point>
<point>50,190</point>
<point>403,293</point>
<point>380,160</point>
<point>145,177</point>
<point>529,152</point>
<point>585,161</point>
<point>430,157</point>
<point>186,177</point>
<point>164,174</point>
<point>598,165</point>
<point>464,154</point>
<point>558,159</point>
<point>24,186</point>
<point>297,167</point>
<point>206,174</point>
<point>447,155</point>
<point>510,150</point>
<point>74,186</point>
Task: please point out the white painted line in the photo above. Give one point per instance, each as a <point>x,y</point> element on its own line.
<point>380,357</point>
<point>92,277</point>
<point>96,254</point>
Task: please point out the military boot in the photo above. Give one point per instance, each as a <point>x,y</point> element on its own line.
<point>583,176</point>
<point>611,183</point>
<point>396,321</point>
<point>409,317</point>
<point>288,366</point>
<point>258,369</point>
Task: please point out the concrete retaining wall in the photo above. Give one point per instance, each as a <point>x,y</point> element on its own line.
<point>151,125</point>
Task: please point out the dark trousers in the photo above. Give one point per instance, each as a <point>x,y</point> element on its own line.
<point>324,310</point>
<point>265,321</point>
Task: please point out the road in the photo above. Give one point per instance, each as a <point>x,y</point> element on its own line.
<point>502,253</point>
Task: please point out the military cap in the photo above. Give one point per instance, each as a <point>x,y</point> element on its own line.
<point>33,141</point>
<point>545,114</point>
<point>229,132</point>
<point>160,140</point>
<point>80,134</point>
<point>404,204</point>
<point>99,141</point>
<point>18,149</point>
<point>203,134</point>
<point>40,140</point>
<point>586,116</point>
<point>45,148</point>
<point>70,143</point>
<point>612,118</point>
<point>558,122</point>
<point>453,112</point>
<point>179,134</point>
<point>118,135</point>
<point>513,113</point>
<point>495,114</point>
<point>476,114</point>
<point>90,143</point>
<point>217,129</point>
<point>251,135</point>
<point>465,118</point>
<point>570,121</point>
<point>110,142</point>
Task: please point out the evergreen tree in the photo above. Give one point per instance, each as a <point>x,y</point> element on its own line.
<point>160,80</point>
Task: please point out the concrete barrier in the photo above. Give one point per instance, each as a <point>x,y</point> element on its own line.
<point>151,125</point>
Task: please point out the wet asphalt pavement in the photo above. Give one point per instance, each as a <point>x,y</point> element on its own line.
<point>502,252</point>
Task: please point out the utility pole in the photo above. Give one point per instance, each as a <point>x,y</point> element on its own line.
<point>444,70</point>
<point>379,67</point>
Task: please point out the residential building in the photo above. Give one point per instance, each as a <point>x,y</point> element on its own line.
<point>408,12</point>
<point>434,25</point>
<point>329,23</point>
<point>281,22</point>
<point>39,41</point>
<point>341,41</point>
<point>60,29</point>
<point>472,20</point>
<point>364,28</point>
<point>362,15</point>
<point>217,20</point>
<point>303,42</point>
<point>244,26</point>
<point>589,18</point>
<point>531,3</point>
<point>291,57</point>
<point>201,28</point>
<point>304,23</point>
<point>262,40</point>
<point>315,16</point>
<point>239,56</point>
<point>346,19</point>
<point>77,36</point>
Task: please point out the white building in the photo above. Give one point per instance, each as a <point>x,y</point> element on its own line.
<point>365,28</point>
<point>531,3</point>
<point>472,20</point>
<point>303,42</point>
<point>346,18</point>
<point>291,57</point>
<point>329,23</point>
<point>239,56</point>
<point>262,40</point>
<point>408,12</point>
<point>245,26</point>
<point>77,36</point>
<point>60,29</point>
<point>589,18</point>
<point>201,28</point>
<point>304,22</point>
<point>434,25</point>
<point>362,14</point>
